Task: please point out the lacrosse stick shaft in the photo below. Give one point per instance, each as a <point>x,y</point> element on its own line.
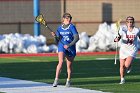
<point>54,36</point>
<point>49,28</point>
<point>116,53</point>
<point>118,28</point>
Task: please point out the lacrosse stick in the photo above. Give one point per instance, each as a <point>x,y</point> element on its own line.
<point>116,45</point>
<point>40,19</point>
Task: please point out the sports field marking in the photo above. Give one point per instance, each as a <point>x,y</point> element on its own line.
<point>26,59</point>
<point>9,85</point>
<point>105,58</point>
<point>111,58</point>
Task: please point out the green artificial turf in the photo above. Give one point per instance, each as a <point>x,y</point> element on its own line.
<point>88,72</point>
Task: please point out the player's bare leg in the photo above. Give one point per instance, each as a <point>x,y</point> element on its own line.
<point>58,68</point>
<point>122,68</point>
<point>69,61</point>
<point>128,63</point>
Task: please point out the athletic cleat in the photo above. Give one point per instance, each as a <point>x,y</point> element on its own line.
<point>55,83</point>
<point>68,83</point>
<point>128,70</point>
<point>122,81</point>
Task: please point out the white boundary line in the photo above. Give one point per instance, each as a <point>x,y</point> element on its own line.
<point>110,58</point>
<point>9,85</point>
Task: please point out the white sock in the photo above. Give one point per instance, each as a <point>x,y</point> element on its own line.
<point>68,79</point>
<point>56,78</point>
<point>122,79</point>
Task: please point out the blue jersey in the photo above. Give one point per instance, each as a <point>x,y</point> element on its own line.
<point>66,36</point>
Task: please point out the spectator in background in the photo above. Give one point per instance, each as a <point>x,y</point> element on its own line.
<point>66,37</point>
<point>128,35</point>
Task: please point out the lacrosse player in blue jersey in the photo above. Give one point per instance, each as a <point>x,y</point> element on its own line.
<point>66,36</point>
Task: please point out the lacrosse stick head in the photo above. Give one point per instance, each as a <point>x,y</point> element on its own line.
<point>40,19</point>
<point>118,24</point>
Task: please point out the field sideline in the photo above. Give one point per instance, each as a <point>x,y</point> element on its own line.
<point>88,72</point>
<point>55,54</point>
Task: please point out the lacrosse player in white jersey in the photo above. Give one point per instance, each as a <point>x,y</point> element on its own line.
<point>128,34</point>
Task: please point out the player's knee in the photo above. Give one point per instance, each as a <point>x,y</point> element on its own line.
<point>126,66</point>
<point>60,64</point>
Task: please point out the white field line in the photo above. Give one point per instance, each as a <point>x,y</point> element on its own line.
<point>9,85</point>
<point>111,58</point>
<point>26,59</point>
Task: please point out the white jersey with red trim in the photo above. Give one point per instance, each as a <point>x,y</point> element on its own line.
<point>129,42</point>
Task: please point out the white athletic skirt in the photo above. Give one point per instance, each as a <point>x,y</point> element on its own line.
<point>127,50</point>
